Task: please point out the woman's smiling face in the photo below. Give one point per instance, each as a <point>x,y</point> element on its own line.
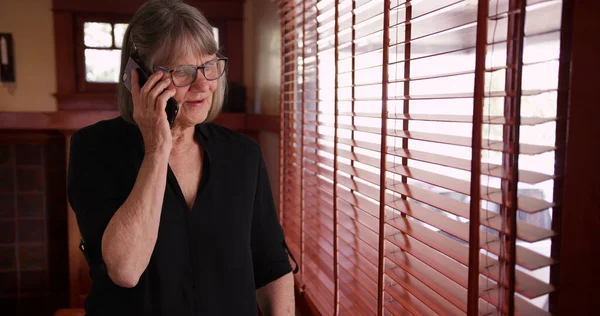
<point>194,100</point>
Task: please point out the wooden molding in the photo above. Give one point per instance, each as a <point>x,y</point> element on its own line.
<point>221,9</point>
<point>87,101</point>
<point>73,120</point>
<point>263,123</point>
<point>60,120</point>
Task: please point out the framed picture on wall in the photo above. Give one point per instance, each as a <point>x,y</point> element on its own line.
<point>7,58</point>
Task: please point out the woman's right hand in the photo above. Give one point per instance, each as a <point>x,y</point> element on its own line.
<point>149,103</point>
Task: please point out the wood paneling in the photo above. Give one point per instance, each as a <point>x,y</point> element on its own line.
<point>33,233</point>
<point>234,49</point>
<point>65,52</point>
<point>579,291</point>
<point>263,123</point>
<point>74,120</point>
<point>224,9</point>
<point>61,120</point>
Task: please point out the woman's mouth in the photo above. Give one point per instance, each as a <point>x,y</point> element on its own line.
<point>195,103</point>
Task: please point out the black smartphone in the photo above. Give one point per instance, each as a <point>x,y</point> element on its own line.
<point>143,73</point>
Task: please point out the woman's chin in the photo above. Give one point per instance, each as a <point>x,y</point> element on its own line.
<point>187,119</point>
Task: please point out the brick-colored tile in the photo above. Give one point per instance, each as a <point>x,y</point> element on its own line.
<point>33,282</point>
<point>31,230</point>
<point>29,154</point>
<point>8,283</point>
<point>7,257</point>
<point>8,305</point>
<point>34,306</point>
<point>7,205</point>
<point>32,257</point>
<point>7,179</point>
<point>29,179</point>
<point>30,205</point>
<point>7,232</point>
<point>6,157</point>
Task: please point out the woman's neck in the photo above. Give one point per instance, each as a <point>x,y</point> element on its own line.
<point>183,139</point>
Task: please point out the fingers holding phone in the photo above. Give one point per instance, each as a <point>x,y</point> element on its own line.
<point>149,104</point>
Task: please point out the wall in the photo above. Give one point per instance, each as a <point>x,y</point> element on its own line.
<point>262,44</point>
<point>262,65</point>
<point>30,22</point>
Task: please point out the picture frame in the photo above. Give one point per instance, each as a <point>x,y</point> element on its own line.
<point>7,58</point>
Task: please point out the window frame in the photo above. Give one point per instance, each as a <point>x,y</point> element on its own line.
<point>82,84</point>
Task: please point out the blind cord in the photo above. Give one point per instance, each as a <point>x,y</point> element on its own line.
<point>502,250</point>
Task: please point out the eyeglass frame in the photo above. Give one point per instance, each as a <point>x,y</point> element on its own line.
<point>201,67</point>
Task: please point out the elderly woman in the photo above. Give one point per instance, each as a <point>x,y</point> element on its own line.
<point>181,220</point>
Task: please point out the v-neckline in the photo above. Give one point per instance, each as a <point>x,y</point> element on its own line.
<point>171,178</point>
<point>177,188</point>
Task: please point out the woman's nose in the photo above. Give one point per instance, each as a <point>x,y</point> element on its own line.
<point>200,83</point>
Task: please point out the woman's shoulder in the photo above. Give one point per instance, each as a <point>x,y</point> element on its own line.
<point>104,134</point>
<point>228,138</point>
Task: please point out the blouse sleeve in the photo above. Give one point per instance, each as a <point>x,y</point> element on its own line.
<point>92,193</point>
<point>269,251</point>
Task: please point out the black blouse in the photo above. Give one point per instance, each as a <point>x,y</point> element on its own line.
<point>208,260</point>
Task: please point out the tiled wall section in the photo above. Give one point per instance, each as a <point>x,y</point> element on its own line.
<point>33,254</point>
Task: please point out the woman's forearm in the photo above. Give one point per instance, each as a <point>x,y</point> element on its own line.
<point>130,237</point>
<point>277,297</point>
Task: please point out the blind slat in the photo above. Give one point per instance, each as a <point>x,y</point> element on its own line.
<point>525,231</point>
<point>358,172</point>
<point>527,286</point>
<point>359,230</point>
<point>450,290</point>
<point>452,269</point>
<point>317,239</point>
<point>527,121</point>
<point>360,202</point>
<point>322,262</point>
<point>357,186</point>
<point>495,145</point>
<point>319,293</point>
<point>361,247</point>
<point>319,170</point>
<point>319,195</point>
<point>431,299</point>
<point>494,170</point>
<point>394,308</point>
<point>359,215</point>
<point>404,297</point>
<point>365,298</point>
<point>358,260</point>
<point>359,276</point>
<point>525,257</point>
<point>318,159</point>
<point>525,203</point>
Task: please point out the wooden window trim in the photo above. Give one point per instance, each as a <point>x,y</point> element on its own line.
<point>83,85</point>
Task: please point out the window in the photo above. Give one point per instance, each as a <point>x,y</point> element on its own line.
<point>103,51</point>
<point>393,81</point>
<point>102,43</point>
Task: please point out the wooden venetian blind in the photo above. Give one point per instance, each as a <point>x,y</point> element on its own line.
<point>386,109</point>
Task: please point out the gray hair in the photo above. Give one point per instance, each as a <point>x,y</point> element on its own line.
<point>163,31</point>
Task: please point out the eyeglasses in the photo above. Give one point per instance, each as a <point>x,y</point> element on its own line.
<point>186,75</point>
